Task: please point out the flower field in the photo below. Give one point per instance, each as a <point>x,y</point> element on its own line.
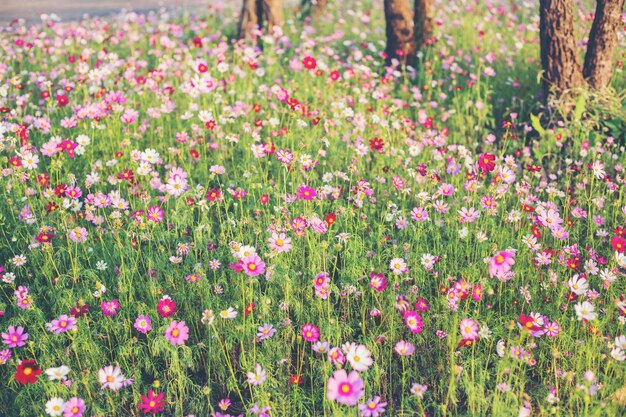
<point>193,225</point>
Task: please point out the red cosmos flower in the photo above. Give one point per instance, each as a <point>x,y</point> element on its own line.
<point>194,154</point>
<point>27,372</point>
<point>309,62</point>
<point>330,219</point>
<point>152,403</point>
<point>486,162</point>
<point>334,75</point>
<point>249,309</point>
<point>466,343</point>
<point>80,310</point>
<point>527,323</point>
<point>197,42</point>
<point>202,68</point>
<point>15,161</point>
<point>213,194</point>
<point>44,237</point>
<point>210,124</point>
<point>377,144</point>
<point>619,244</point>
<point>264,199</point>
<point>620,231</point>
<point>62,100</point>
<point>536,231</point>
<point>573,263</point>
<point>43,179</point>
<point>296,379</point>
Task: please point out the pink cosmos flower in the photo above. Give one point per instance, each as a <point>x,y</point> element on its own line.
<point>373,407</point>
<point>404,348</point>
<point>78,234</point>
<point>413,321</point>
<point>469,329</point>
<point>143,324</point>
<point>280,243</point>
<point>253,265</point>
<point>74,407</point>
<point>155,214</point>
<point>345,389</point>
<point>14,337</point>
<point>501,263</point>
<point>63,324</point>
<point>310,333</point>
<point>378,282</point>
<point>109,308</point>
<point>336,356</point>
<point>318,225</point>
<point>177,333</point>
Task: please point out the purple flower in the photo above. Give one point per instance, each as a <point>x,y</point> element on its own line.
<point>14,337</point>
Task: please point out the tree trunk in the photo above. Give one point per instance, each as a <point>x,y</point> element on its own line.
<point>559,54</point>
<point>598,68</point>
<point>270,11</point>
<point>399,28</point>
<point>248,20</point>
<point>319,7</point>
<point>424,21</point>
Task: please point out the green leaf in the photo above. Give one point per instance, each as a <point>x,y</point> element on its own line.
<point>580,107</point>
<point>537,124</point>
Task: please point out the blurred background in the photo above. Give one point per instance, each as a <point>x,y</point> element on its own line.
<point>75,9</point>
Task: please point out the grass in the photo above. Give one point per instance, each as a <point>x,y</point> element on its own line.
<point>472,94</point>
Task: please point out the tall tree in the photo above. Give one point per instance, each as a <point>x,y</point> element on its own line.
<point>248,20</point>
<point>424,21</point>
<point>598,68</point>
<point>559,55</point>
<point>399,29</point>
<point>259,13</point>
<point>270,11</point>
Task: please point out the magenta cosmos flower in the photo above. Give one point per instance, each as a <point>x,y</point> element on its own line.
<point>177,333</point>
<point>253,265</point>
<point>413,321</point>
<point>306,193</point>
<point>501,263</point>
<point>109,308</point>
<point>310,333</point>
<point>14,337</point>
<point>155,214</point>
<point>345,389</point>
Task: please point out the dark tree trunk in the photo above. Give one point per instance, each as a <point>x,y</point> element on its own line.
<point>598,68</point>
<point>424,21</point>
<point>399,28</point>
<point>248,20</point>
<point>559,54</point>
<point>270,12</point>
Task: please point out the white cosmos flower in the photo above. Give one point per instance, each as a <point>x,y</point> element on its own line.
<point>359,357</point>
<point>111,377</point>
<point>58,374</point>
<point>585,311</point>
<point>55,407</point>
